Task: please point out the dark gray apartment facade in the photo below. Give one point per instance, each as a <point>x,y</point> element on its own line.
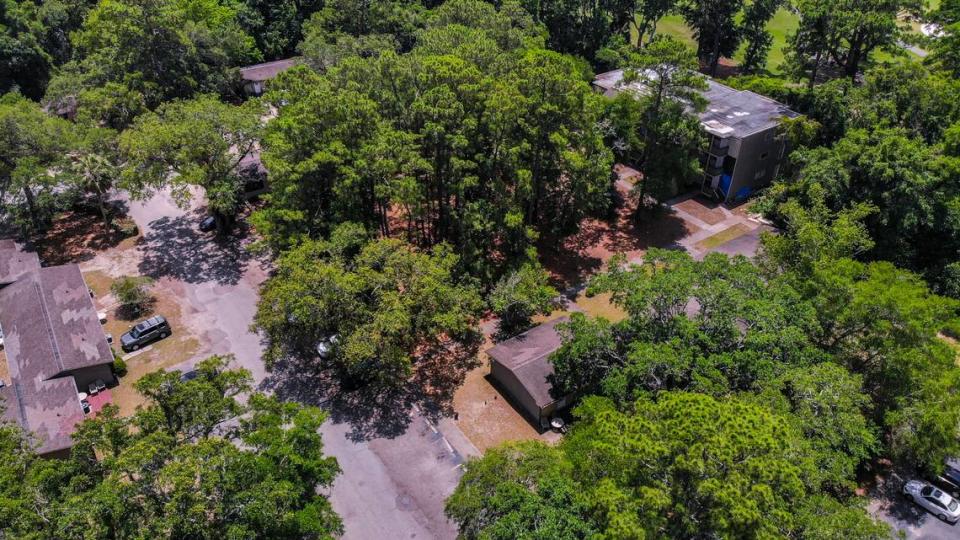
<point>745,148</point>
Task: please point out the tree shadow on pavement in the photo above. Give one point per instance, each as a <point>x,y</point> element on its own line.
<point>375,410</point>
<point>888,492</point>
<point>175,248</point>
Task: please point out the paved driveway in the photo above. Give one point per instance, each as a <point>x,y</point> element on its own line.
<point>889,505</point>
<point>389,488</point>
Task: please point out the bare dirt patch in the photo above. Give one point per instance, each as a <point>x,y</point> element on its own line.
<point>573,259</point>
<point>706,211</point>
<point>181,346</point>
<point>486,417</point>
<point>77,235</point>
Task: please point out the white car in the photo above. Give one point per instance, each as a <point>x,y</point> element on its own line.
<point>933,500</point>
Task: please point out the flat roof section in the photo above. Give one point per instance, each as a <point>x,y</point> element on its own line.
<point>267,70</point>
<point>729,112</point>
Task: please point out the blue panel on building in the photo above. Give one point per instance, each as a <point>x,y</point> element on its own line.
<point>725,183</point>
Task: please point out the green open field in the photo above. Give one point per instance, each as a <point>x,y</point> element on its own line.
<point>782,23</point>
<point>780,27</point>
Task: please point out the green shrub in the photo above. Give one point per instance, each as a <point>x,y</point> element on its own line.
<point>521,295</point>
<point>132,293</point>
<point>119,366</point>
<point>127,227</point>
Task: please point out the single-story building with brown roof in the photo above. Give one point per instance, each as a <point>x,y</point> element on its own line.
<point>54,346</point>
<point>255,77</point>
<point>522,368</point>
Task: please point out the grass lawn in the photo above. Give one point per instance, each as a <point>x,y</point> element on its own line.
<point>163,354</point>
<point>723,237</point>
<point>600,306</point>
<point>782,24</point>
<point>780,27</point>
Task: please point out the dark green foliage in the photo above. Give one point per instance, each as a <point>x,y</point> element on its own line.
<point>33,147</point>
<point>194,462</point>
<point>477,137</point>
<point>523,490</point>
<point>132,292</point>
<point>656,131</point>
<point>276,26</point>
<point>159,49</point>
<point>715,27</point>
<point>389,306</point>
<point>119,366</point>
<point>838,37</point>
<point>520,295</point>
<point>679,465</point>
<point>756,35</point>
<point>579,27</point>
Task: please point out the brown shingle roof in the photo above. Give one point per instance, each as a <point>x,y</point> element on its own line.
<point>527,356</point>
<point>267,70</point>
<point>50,327</point>
<point>14,263</point>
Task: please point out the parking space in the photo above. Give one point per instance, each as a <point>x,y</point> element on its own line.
<point>888,504</point>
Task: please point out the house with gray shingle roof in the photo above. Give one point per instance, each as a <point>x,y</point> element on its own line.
<point>256,76</point>
<point>522,369</point>
<point>54,346</point>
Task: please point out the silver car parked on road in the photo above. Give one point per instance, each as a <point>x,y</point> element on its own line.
<point>933,500</point>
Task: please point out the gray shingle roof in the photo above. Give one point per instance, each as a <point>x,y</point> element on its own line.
<point>267,70</point>
<point>14,262</point>
<point>527,356</point>
<point>50,328</point>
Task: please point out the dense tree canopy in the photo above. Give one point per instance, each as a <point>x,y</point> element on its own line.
<point>32,149</point>
<point>379,307</point>
<point>473,138</point>
<point>416,156</point>
<point>680,465</point>
<point>193,462</point>
<point>840,36</point>
<point>655,128</point>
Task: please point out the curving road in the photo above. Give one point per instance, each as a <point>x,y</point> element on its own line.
<point>389,488</point>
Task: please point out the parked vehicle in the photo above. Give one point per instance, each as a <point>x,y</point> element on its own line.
<point>949,479</point>
<point>85,405</point>
<point>326,347</point>
<point>145,332</point>
<point>189,375</point>
<point>933,500</point>
<point>208,224</point>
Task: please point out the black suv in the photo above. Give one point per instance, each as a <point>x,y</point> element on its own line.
<point>144,332</point>
<point>950,478</point>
